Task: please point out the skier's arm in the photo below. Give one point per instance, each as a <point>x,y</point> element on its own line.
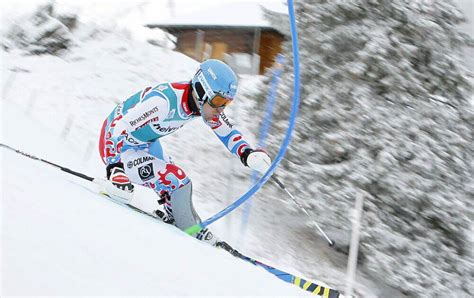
<point>256,159</point>
<point>228,135</point>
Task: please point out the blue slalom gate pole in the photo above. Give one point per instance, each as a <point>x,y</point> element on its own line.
<point>286,141</point>
<point>267,121</point>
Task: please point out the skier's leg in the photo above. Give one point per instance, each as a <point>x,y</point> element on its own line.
<point>119,186</point>
<point>178,202</point>
<point>110,145</point>
<point>153,169</point>
<point>185,215</point>
<point>157,151</point>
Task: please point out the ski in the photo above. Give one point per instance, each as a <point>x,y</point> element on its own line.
<point>155,217</point>
<point>304,284</point>
<point>287,277</point>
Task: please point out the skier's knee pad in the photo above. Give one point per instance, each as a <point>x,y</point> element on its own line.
<point>183,210</point>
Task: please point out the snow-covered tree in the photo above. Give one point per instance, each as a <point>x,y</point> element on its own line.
<point>44,32</point>
<point>387,112</point>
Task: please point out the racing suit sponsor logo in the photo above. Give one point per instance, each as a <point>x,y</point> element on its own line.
<point>186,107</point>
<point>226,120</point>
<point>211,72</point>
<point>205,84</point>
<point>139,161</point>
<point>129,138</point>
<point>168,129</point>
<point>143,116</point>
<point>118,110</point>
<point>147,122</point>
<point>146,172</point>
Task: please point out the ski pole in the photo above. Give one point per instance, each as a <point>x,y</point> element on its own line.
<point>282,186</point>
<point>69,171</point>
<point>105,186</point>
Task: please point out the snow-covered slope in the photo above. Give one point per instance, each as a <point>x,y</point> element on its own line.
<point>59,238</point>
<point>53,107</point>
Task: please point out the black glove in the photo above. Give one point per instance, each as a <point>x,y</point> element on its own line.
<point>244,156</point>
<point>116,175</point>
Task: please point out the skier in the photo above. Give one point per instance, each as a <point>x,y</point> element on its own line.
<point>130,139</point>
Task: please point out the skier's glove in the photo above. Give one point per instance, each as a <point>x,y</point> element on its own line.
<point>117,176</point>
<point>257,160</point>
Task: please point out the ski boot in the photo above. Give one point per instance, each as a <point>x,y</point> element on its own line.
<point>207,236</point>
<point>168,216</point>
<point>164,217</point>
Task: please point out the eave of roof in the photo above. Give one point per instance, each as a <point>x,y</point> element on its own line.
<point>210,26</point>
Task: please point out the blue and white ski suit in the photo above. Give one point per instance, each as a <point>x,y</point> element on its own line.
<point>132,131</point>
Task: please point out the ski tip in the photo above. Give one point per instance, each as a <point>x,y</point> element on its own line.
<point>332,243</point>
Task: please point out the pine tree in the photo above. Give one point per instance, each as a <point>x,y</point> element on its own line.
<point>44,32</point>
<point>387,111</point>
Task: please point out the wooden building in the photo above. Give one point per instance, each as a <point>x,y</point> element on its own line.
<point>241,36</point>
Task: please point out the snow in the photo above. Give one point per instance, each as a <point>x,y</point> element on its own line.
<point>53,107</point>
<point>132,15</point>
<point>247,14</point>
<point>60,238</point>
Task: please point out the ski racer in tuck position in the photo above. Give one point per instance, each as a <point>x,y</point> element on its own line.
<point>130,146</point>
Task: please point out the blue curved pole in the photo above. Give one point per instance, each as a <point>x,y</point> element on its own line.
<point>294,113</point>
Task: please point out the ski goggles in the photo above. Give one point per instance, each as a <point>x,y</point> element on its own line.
<point>219,101</point>
<point>205,94</point>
